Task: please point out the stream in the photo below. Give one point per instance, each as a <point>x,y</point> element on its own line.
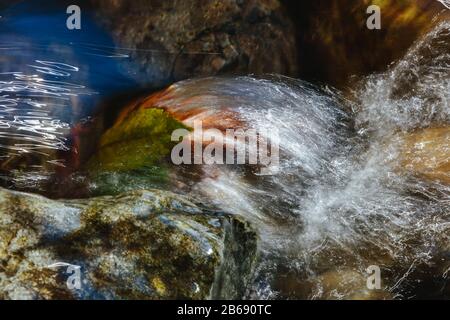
<point>344,197</point>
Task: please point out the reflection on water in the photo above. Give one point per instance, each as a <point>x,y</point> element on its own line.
<point>51,78</point>
<point>27,102</point>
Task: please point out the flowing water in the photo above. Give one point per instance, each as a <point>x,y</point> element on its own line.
<point>341,201</point>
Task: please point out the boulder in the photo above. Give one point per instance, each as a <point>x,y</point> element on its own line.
<point>171,41</point>
<point>139,245</point>
<point>336,44</point>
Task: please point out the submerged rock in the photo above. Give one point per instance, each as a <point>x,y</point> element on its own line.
<point>143,244</point>
<point>426,153</point>
<point>347,285</point>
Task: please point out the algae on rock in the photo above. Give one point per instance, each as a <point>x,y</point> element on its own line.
<point>131,153</point>
<point>143,138</point>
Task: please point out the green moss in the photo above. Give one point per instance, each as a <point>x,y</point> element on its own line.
<point>142,139</point>
<point>130,153</point>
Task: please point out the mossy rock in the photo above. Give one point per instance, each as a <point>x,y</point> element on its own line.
<point>143,138</point>
<point>139,245</point>
<point>132,154</point>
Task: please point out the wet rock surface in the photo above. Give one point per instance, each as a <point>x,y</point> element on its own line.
<point>140,245</point>
<point>176,40</point>
<point>335,32</point>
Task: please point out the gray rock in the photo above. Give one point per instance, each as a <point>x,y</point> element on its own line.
<point>139,245</point>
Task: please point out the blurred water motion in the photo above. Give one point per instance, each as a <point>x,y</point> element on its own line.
<point>50,79</point>
<point>347,195</point>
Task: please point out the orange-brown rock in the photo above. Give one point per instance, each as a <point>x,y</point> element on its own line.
<point>426,153</point>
